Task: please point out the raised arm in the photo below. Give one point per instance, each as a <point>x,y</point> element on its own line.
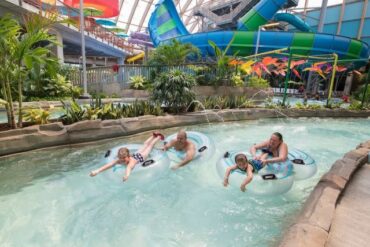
<point>227,174</point>
<point>248,179</point>
<point>255,147</point>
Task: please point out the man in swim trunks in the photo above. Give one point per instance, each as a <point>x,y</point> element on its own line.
<point>181,143</point>
<point>274,147</point>
<point>130,161</point>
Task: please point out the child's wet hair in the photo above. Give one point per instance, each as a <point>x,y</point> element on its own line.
<point>123,153</point>
<point>241,157</point>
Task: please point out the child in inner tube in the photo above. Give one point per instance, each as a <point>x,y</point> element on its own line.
<point>128,160</point>
<point>246,166</point>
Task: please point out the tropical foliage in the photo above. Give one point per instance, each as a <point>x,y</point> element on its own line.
<point>174,53</point>
<point>21,53</point>
<point>37,116</point>
<point>174,90</point>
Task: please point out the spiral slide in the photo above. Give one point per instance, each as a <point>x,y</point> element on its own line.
<point>165,25</point>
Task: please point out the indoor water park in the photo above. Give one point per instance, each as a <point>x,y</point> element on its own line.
<point>184,123</point>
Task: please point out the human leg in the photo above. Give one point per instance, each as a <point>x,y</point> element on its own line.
<point>145,151</point>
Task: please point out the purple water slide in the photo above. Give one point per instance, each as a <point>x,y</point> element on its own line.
<point>142,36</point>
<point>140,42</point>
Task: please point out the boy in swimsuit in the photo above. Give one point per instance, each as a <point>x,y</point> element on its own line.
<point>274,147</point>
<point>246,166</point>
<point>130,161</point>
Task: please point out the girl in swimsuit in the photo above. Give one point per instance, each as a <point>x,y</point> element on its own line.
<point>130,161</point>
<point>246,166</point>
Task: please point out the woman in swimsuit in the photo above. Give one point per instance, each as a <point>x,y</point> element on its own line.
<point>246,166</point>
<point>130,161</point>
<point>274,147</point>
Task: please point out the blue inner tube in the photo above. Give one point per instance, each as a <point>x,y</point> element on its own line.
<point>203,146</point>
<point>273,179</point>
<point>153,167</point>
<point>303,165</point>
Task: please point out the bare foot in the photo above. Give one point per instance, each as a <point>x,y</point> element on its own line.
<point>93,173</point>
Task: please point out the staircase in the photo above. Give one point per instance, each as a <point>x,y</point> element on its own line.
<point>235,9</point>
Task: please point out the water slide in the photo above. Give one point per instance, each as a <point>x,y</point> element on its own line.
<point>137,57</point>
<point>293,20</point>
<point>165,25</point>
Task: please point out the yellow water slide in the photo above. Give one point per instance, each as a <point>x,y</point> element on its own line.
<point>137,57</point>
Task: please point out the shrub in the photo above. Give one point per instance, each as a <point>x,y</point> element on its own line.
<point>37,116</point>
<point>259,83</point>
<point>174,90</point>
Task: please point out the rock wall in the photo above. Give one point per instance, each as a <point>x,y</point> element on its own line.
<point>312,227</point>
<point>54,134</point>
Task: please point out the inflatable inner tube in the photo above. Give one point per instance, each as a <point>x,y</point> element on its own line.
<point>303,165</point>
<point>153,167</point>
<point>273,179</point>
<point>203,146</point>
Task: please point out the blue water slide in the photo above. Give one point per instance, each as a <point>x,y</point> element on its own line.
<point>165,22</point>
<point>293,20</point>
<point>165,25</point>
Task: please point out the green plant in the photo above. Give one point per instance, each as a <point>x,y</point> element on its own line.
<point>174,90</point>
<point>355,105</point>
<point>137,82</point>
<point>37,116</point>
<point>258,83</point>
<point>173,53</point>
<point>73,112</point>
<point>222,60</point>
<point>237,80</point>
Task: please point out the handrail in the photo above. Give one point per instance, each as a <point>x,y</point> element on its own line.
<point>91,27</point>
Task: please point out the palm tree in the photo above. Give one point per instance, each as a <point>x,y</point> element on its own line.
<point>20,51</point>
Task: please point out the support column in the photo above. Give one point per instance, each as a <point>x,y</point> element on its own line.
<point>58,49</point>
<point>324,6</point>
<point>364,9</point>
<point>348,84</point>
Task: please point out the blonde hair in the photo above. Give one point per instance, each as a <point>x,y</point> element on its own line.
<point>123,153</point>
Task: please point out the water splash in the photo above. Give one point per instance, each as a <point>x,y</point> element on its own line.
<point>205,111</point>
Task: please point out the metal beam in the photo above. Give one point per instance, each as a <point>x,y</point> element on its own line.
<point>119,12</point>
<point>364,8</point>
<point>150,3</point>
<point>185,7</point>
<point>133,9</point>
<point>190,16</point>
<point>341,17</point>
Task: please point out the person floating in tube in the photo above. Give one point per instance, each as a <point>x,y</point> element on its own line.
<point>274,147</point>
<point>242,163</point>
<point>124,157</point>
<point>181,143</point>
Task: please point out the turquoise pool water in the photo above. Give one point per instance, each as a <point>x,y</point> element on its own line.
<point>48,199</point>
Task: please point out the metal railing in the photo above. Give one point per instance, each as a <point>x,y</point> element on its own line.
<point>91,27</point>
<point>121,74</point>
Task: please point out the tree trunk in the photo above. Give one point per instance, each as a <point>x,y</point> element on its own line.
<point>11,120</point>
<point>20,95</point>
<point>7,100</point>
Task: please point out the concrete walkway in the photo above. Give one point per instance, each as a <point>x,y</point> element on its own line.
<point>351,223</point>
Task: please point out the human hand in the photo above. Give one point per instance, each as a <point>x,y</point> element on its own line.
<point>242,187</point>
<point>226,182</point>
<point>124,179</point>
<point>175,167</point>
<point>93,173</point>
<point>264,162</point>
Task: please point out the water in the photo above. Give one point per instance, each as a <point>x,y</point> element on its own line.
<point>48,199</point>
